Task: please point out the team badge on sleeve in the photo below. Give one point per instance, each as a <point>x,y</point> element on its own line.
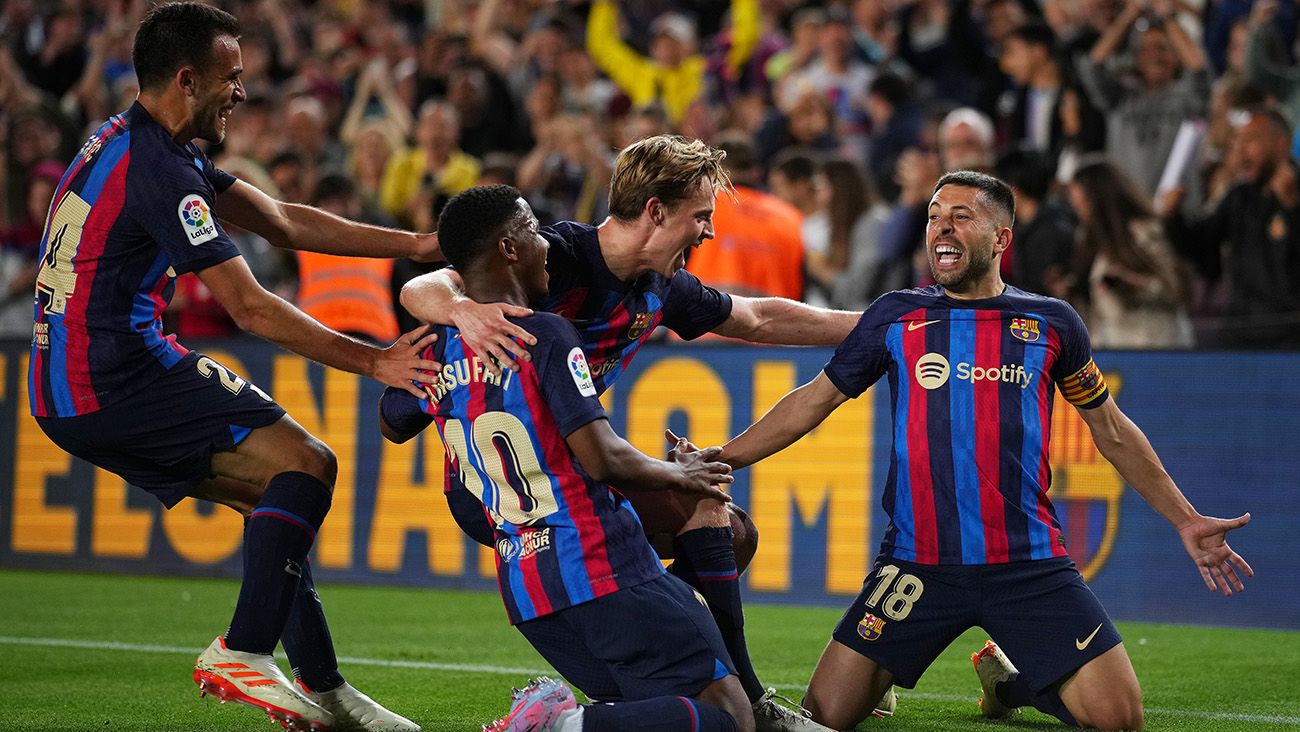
<point>580,373</point>
<point>1026,329</point>
<point>197,219</point>
<point>870,627</point>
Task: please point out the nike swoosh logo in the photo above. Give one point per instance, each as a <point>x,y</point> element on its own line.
<point>919,324</point>
<point>1082,644</point>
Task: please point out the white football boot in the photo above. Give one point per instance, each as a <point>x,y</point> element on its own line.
<point>255,680</point>
<point>887,704</point>
<point>993,667</point>
<point>356,712</point>
<point>771,716</point>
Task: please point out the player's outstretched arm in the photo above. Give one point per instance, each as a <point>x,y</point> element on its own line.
<point>611,459</point>
<point>439,297</point>
<point>794,416</point>
<point>265,315</point>
<point>1205,538</point>
<point>786,322</point>
<point>295,226</point>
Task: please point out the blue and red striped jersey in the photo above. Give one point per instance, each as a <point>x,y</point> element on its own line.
<point>132,212</point>
<point>615,317</point>
<point>973,383</point>
<point>562,537</point>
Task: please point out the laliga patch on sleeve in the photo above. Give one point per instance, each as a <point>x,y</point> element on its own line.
<point>196,219</point>
<point>580,373</point>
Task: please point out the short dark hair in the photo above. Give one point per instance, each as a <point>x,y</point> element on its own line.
<point>796,164</point>
<point>473,219</point>
<point>1036,33</point>
<point>1027,170</point>
<point>995,192</point>
<point>175,35</point>
<point>333,187</point>
<point>892,87</point>
<point>742,156</point>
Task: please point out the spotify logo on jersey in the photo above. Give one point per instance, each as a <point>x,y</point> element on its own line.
<point>932,370</point>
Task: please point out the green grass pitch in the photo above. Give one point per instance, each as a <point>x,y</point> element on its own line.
<point>114,653</point>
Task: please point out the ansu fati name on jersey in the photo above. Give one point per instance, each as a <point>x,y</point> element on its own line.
<point>463,372</point>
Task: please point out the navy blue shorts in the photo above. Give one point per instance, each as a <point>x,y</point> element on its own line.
<point>162,437</point>
<point>1041,613</point>
<point>654,639</point>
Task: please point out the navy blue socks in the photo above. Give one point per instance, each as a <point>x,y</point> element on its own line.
<point>280,532</point>
<point>705,560</point>
<point>307,640</point>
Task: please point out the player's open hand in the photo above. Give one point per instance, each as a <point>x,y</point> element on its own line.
<point>1206,540</point>
<point>484,328</point>
<point>701,474</point>
<point>401,365</point>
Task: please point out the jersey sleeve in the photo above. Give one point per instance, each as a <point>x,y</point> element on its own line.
<point>562,372</point>
<point>1077,374</point>
<point>219,179</point>
<point>403,412</point>
<point>693,308</point>
<point>176,208</point>
<point>863,356</point>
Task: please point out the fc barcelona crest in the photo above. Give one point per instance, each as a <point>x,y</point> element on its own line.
<point>640,324</point>
<point>870,626</point>
<point>1026,329</point>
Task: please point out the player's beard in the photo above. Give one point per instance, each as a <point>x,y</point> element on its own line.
<point>212,130</point>
<point>978,266</point>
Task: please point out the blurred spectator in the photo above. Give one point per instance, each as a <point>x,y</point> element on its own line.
<point>20,247</point>
<point>757,249</point>
<point>966,141</point>
<point>805,31</point>
<point>292,176</point>
<point>436,165</point>
<point>850,270</point>
<point>809,123</point>
<point>1266,64</point>
<point>307,133</point>
<point>1031,112</point>
<point>942,42</point>
<point>674,73</point>
<point>896,123</point>
<point>1256,226</point>
<point>1171,85</point>
<point>51,51</point>
<point>567,173</point>
<point>349,294</point>
<point>793,179</point>
<point>1042,241</point>
<point>837,76</point>
<point>1137,285</point>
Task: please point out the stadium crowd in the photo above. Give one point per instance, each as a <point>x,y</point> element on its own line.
<point>1149,143</point>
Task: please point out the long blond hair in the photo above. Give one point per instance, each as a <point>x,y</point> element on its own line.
<point>667,167</point>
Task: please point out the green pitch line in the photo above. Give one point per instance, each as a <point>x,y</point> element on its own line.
<point>81,652</point>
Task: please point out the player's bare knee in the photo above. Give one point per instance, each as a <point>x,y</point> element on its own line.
<point>316,459</point>
<point>708,513</point>
<point>1119,712</point>
<point>745,536</point>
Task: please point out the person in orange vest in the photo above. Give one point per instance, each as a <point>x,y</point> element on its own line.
<point>349,294</point>
<point>758,249</point>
